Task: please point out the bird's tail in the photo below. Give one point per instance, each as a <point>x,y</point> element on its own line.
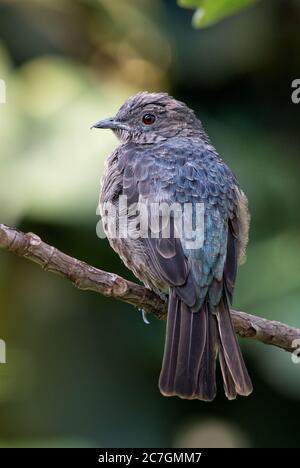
<point>193,341</point>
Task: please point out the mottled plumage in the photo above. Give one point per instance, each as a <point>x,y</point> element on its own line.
<point>171,160</point>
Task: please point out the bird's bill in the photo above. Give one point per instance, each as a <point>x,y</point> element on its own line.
<point>111,124</point>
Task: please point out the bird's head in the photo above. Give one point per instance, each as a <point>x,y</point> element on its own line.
<point>152,117</point>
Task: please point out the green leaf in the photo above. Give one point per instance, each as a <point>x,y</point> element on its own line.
<point>189,3</point>
<point>209,12</point>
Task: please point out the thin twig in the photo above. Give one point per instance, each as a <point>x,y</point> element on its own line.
<point>87,277</point>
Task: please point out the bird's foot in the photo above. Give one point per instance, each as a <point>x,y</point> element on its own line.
<point>144,317</point>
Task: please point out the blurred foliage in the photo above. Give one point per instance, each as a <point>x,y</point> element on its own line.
<point>81,369</point>
<point>209,12</point>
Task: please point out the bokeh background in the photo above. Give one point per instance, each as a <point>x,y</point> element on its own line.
<point>82,369</point>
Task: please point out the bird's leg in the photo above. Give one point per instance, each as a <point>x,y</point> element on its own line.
<point>162,295</point>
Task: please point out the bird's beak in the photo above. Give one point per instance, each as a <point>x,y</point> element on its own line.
<point>111,124</point>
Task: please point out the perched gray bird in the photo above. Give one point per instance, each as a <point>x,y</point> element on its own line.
<point>166,156</point>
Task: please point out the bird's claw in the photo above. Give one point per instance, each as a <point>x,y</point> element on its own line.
<point>144,316</point>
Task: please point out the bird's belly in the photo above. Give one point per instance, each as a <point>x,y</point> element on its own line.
<point>134,256</point>
<point>131,249</point>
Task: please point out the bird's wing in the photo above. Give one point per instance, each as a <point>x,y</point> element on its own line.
<point>188,173</point>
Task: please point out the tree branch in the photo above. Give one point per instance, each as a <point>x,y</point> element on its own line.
<point>87,277</point>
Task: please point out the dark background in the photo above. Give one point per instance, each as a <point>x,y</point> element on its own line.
<point>82,370</point>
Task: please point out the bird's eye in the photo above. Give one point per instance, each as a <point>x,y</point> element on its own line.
<point>148,119</point>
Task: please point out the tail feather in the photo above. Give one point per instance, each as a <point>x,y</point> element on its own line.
<point>193,340</point>
<point>190,350</point>
<point>228,382</point>
<point>171,347</point>
<point>207,387</point>
<point>231,351</point>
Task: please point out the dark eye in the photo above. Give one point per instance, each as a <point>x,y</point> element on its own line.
<point>148,119</point>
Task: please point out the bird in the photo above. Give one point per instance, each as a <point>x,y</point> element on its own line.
<point>165,156</point>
